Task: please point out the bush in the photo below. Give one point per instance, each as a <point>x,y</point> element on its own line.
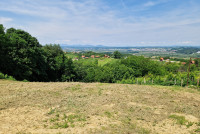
<point>2,76</point>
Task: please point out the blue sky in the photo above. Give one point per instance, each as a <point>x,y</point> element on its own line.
<point>106,22</point>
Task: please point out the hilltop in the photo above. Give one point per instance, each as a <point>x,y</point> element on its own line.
<point>69,107</point>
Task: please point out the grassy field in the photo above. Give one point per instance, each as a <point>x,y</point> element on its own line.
<point>98,108</point>
<point>71,55</point>
<point>101,61</point>
<point>104,61</point>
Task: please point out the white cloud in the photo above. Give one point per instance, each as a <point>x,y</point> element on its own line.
<point>185,42</point>
<point>62,41</point>
<point>149,4</point>
<point>4,20</point>
<point>32,8</point>
<point>90,22</point>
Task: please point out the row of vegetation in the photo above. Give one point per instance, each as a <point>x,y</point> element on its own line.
<point>22,57</point>
<point>137,70</point>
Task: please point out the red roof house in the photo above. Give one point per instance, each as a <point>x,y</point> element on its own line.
<point>161,59</point>
<point>183,63</point>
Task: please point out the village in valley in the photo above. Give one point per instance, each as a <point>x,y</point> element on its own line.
<point>93,56</point>
<point>166,54</point>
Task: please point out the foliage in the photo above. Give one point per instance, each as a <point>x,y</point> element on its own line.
<point>142,66</point>
<point>172,67</point>
<point>23,58</point>
<point>117,55</point>
<point>188,50</point>
<point>2,76</point>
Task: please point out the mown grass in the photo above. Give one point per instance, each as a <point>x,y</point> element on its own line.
<point>96,108</point>
<point>57,120</point>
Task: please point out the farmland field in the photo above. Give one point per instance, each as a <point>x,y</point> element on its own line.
<point>34,107</point>
<point>101,61</point>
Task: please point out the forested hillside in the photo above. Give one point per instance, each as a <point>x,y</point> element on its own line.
<point>187,50</point>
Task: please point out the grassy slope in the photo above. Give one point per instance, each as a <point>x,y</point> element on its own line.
<point>97,108</point>
<point>101,61</point>
<point>70,55</point>
<point>104,61</point>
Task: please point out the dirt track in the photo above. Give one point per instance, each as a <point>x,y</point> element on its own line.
<point>97,108</point>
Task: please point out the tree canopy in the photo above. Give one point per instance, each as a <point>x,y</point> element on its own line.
<point>117,55</point>
<point>24,58</point>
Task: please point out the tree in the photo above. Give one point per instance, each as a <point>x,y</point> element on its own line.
<point>60,68</point>
<point>117,55</point>
<point>142,66</point>
<point>3,50</point>
<point>172,67</point>
<point>24,56</point>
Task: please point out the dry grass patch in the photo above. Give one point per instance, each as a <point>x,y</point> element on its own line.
<point>36,107</point>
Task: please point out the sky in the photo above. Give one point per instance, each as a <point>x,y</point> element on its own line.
<point>106,22</point>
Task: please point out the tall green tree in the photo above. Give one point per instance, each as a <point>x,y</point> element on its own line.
<point>24,58</point>
<point>28,60</point>
<point>60,68</point>
<point>117,55</point>
<point>3,50</point>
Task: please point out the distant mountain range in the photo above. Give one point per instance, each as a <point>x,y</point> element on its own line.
<point>102,46</point>
<point>82,46</point>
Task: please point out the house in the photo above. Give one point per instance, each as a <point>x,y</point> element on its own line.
<point>92,56</point>
<point>183,63</point>
<point>106,56</point>
<point>161,59</point>
<point>97,56</point>
<point>83,56</point>
<point>193,62</point>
